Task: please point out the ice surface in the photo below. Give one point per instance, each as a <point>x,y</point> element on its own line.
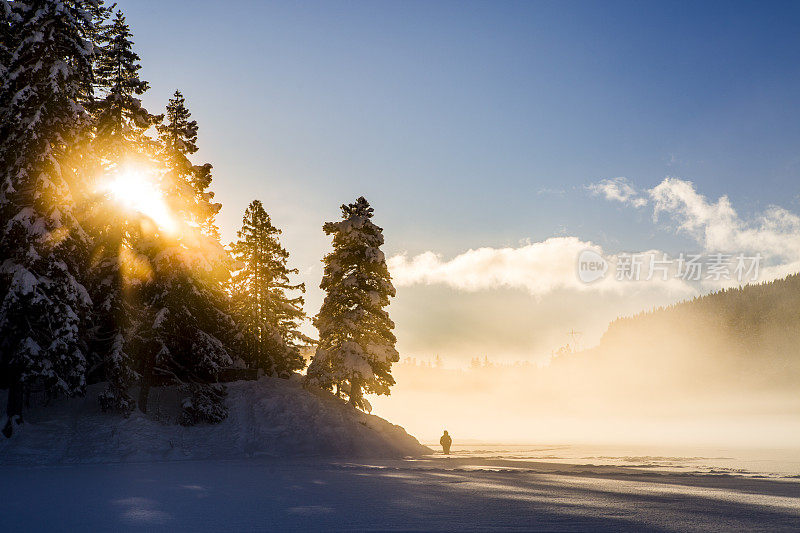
<point>428,494</point>
<point>288,459</point>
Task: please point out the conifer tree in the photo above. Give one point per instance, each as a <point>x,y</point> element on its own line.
<point>120,124</point>
<point>356,343</point>
<point>100,13</point>
<point>43,247</point>
<point>187,184</point>
<point>188,328</point>
<point>269,316</point>
<point>120,119</point>
<point>7,36</point>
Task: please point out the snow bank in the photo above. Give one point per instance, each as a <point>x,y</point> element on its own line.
<point>269,417</point>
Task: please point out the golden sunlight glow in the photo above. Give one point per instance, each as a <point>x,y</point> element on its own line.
<point>137,190</point>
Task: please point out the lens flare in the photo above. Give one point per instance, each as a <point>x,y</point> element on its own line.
<point>138,191</point>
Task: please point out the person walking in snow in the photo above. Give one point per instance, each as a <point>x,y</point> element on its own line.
<point>446,441</point>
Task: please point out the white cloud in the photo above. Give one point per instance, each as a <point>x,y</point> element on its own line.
<point>618,189</point>
<point>538,268</point>
<point>543,267</point>
<point>717,227</point>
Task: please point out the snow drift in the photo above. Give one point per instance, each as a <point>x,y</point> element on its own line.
<point>267,418</point>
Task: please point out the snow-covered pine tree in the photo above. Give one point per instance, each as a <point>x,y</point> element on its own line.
<point>100,13</point>
<point>187,184</point>
<point>43,248</point>
<point>269,316</point>
<point>188,329</point>
<point>7,36</point>
<point>356,343</point>
<point>120,119</point>
<point>186,335</point>
<point>120,140</point>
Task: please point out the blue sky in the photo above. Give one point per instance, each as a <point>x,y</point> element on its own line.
<point>470,124</point>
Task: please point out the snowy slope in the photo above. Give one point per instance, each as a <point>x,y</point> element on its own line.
<point>269,417</point>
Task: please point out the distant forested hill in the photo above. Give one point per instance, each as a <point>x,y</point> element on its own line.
<point>734,340</point>
<point>761,316</point>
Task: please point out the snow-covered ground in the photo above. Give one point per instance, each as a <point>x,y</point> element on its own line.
<point>432,493</point>
<point>270,417</point>
<point>288,459</point>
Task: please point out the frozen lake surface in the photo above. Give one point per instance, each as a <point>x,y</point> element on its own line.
<point>469,491</point>
<point>754,462</point>
<point>275,465</point>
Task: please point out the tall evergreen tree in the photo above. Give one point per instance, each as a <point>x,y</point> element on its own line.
<point>187,184</point>
<point>356,344</point>
<point>188,328</point>
<point>120,139</point>
<point>7,36</point>
<point>43,248</point>
<point>120,119</point>
<point>264,309</point>
<point>100,13</point>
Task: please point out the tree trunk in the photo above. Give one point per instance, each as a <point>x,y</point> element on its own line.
<point>355,391</point>
<point>13,408</point>
<point>146,382</point>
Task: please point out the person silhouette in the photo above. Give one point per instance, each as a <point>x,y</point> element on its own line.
<point>446,441</point>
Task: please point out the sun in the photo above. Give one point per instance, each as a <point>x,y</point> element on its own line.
<point>136,190</point>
